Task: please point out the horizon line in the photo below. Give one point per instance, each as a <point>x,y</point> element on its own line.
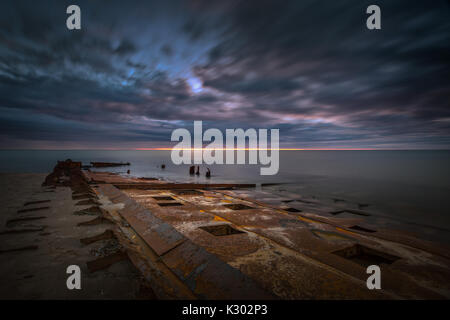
<point>223,149</point>
<point>239,149</point>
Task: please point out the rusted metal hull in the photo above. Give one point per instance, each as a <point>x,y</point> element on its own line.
<point>217,241</point>
<point>206,276</point>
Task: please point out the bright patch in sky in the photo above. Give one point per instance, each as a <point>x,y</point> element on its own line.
<point>195,84</point>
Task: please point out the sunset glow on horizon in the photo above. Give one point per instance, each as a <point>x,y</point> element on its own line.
<point>251,149</point>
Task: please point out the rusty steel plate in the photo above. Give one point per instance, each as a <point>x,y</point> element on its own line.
<point>209,277</point>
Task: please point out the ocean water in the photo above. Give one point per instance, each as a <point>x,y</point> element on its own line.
<point>409,186</point>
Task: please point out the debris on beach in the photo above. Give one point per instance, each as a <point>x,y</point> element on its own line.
<point>111,246</point>
<point>108,254</point>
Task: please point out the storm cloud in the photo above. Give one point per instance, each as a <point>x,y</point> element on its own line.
<point>139,69</point>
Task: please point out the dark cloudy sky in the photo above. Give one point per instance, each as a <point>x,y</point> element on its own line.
<point>139,69</point>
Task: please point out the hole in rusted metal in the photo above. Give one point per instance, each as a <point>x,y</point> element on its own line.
<point>359,213</point>
<point>169,204</point>
<point>292,210</point>
<point>160,198</point>
<point>358,228</point>
<point>329,235</point>
<point>237,206</point>
<point>221,230</point>
<point>187,192</point>
<point>366,256</point>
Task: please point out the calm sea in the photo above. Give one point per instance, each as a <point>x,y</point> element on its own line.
<point>409,186</point>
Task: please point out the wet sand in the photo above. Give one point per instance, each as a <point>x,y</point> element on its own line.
<point>40,273</point>
<point>14,189</point>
